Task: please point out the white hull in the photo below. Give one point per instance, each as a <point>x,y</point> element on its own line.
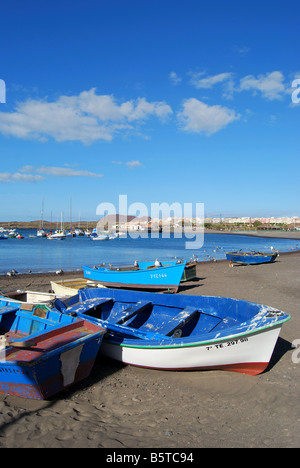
<point>71,287</point>
<point>56,237</point>
<point>41,233</point>
<point>249,354</point>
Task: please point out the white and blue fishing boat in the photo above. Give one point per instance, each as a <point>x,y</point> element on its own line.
<point>101,237</point>
<point>144,275</point>
<point>42,351</point>
<point>180,332</point>
<point>251,258</point>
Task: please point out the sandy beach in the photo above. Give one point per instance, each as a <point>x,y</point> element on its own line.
<point>125,407</point>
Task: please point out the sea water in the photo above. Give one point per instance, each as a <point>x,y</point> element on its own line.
<point>38,255</point>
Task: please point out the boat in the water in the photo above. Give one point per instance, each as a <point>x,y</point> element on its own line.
<point>180,332</point>
<point>41,233</point>
<point>101,237</point>
<point>144,275</point>
<point>57,235</point>
<point>42,351</point>
<point>251,258</point>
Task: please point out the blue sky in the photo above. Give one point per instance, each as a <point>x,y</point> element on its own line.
<point>164,101</point>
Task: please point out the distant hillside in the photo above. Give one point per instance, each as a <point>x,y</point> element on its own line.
<point>112,220</point>
<point>115,219</point>
<point>108,220</point>
<point>47,224</point>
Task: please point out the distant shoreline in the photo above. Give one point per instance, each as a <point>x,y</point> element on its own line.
<point>48,226</point>
<point>78,273</point>
<point>266,234</point>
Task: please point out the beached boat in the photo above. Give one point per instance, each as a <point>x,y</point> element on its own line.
<point>190,272</point>
<point>32,297</point>
<point>250,258</point>
<point>145,275</point>
<point>181,332</point>
<point>71,287</point>
<point>43,351</point>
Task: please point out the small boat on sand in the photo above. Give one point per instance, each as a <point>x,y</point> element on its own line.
<point>31,297</point>
<point>71,287</point>
<point>250,258</point>
<point>144,275</point>
<point>180,332</point>
<point>43,351</point>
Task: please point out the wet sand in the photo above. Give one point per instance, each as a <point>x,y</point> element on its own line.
<point>125,407</point>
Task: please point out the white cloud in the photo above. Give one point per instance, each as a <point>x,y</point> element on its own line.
<point>209,81</point>
<point>198,117</point>
<point>134,164</point>
<point>33,174</point>
<point>174,78</point>
<point>86,117</point>
<point>130,164</point>
<point>242,50</point>
<point>271,85</point>
<point>65,172</point>
<point>18,177</point>
<point>226,80</point>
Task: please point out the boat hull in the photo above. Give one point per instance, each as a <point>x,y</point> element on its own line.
<point>182,332</point>
<point>71,287</point>
<point>50,360</point>
<point>51,374</point>
<point>160,278</point>
<point>248,354</point>
<point>246,259</point>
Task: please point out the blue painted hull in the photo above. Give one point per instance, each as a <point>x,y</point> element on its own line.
<point>44,351</point>
<point>168,276</point>
<point>181,332</point>
<point>248,258</point>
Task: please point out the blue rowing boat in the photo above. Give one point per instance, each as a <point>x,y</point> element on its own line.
<point>43,351</point>
<point>250,258</point>
<point>145,275</point>
<point>180,332</point>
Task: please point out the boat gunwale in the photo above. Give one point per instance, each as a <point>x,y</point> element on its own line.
<point>173,343</point>
<point>52,352</point>
<point>199,343</point>
<point>114,272</point>
<point>251,254</point>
